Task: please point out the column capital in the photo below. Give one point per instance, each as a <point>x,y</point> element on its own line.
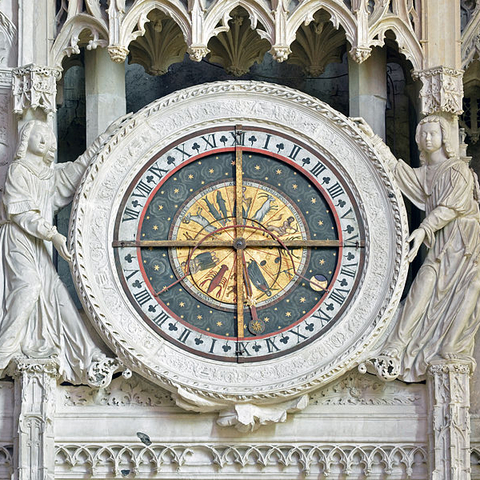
<point>33,366</point>
<point>35,86</point>
<point>441,366</point>
<point>442,90</point>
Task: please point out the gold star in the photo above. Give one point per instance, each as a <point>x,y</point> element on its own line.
<point>160,207</point>
<point>176,190</point>
<point>211,170</point>
<point>313,200</point>
<point>278,172</point>
<point>294,186</point>
<point>257,167</point>
<point>219,324</point>
<point>190,176</point>
<point>181,304</point>
<point>266,319</point>
<point>148,218</point>
<point>322,262</point>
<point>156,268</point>
<point>320,223</point>
<point>303,300</point>
<point>233,163</point>
<point>288,314</point>
<point>155,227</point>
<point>143,234</point>
<point>199,317</point>
<point>199,163</point>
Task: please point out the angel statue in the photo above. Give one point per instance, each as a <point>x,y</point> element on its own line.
<point>38,318</point>
<point>441,313</point>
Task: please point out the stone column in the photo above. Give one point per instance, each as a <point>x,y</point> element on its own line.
<point>368,89</point>
<point>449,419</point>
<point>34,442</point>
<point>105,91</point>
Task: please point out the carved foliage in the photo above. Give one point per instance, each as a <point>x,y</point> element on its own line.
<point>317,45</point>
<point>442,90</point>
<point>160,46</point>
<point>238,48</point>
<point>324,459</point>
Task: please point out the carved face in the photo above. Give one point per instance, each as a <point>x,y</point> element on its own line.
<point>431,138</point>
<point>40,141</point>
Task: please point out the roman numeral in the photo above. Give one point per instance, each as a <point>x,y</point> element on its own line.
<point>347,214</point>
<point>142,190</point>
<point>156,170</point>
<point>348,271</point>
<point>271,345</point>
<point>318,169</point>
<point>238,138</point>
<point>130,214</point>
<point>241,349</point>
<point>337,295</point>
<point>335,190</point>
<point>183,337</point>
<point>142,297</point>
<point>160,319</point>
<point>181,149</point>
<point>212,143</point>
<point>300,336</point>
<point>134,272</point>
<point>322,316</point>
<point>349,242</point>
<point>267,141</point>
<point>212,345</point>
<point>294,152</point>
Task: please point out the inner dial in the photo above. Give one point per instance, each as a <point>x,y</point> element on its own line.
<point>239,284</point>
<point>210,273</point>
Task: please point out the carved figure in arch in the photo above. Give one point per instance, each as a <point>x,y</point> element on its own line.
<point>441,313</point>
<point>37,316</point>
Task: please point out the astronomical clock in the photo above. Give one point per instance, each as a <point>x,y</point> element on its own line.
<point>239,242</point>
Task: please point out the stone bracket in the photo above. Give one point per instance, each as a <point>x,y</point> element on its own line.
<point>442,90</point>
<point>35,86</point>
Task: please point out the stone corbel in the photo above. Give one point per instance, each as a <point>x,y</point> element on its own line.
<point>245,417</point>
<point>442,90</point>
<point>35,86</point>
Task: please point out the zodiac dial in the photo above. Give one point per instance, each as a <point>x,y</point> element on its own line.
<point>239,244</point>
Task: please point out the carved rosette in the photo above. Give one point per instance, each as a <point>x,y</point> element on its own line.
<point>442,90</point>
<point>449,419</point>
<point>35,86</point>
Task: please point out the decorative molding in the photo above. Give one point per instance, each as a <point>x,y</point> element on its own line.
<point>35,86</point>
<point>277,22</point>
<point>134,392</point>
<point>449,419</point>
<point>238,48</point>
<point>359,460</point>
<point>442,90</point>
<point>161,45</point>
<point>357,389</point>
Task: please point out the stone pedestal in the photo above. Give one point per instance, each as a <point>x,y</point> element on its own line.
<point>34,442</point>
<point>449,419</point>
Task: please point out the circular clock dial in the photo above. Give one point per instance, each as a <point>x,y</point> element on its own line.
<point>239,244</point>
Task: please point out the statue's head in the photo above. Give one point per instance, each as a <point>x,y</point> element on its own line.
<point>37,138</point>
<point>433,133</point>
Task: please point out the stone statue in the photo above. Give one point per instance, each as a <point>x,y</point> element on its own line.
<point>441,313</point>
<point>38,317</point>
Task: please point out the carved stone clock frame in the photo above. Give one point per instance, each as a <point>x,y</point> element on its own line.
<point>206,383</point>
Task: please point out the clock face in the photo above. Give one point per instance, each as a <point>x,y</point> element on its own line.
<point>239,244</point>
